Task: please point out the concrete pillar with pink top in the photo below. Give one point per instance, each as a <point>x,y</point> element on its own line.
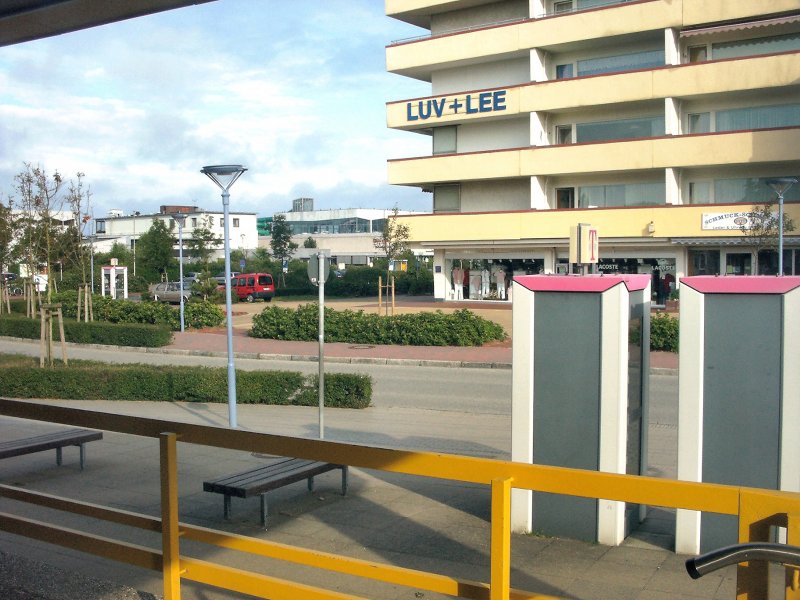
<point>580,364</point>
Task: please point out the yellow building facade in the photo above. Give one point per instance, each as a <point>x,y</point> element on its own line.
<point>660,123</point>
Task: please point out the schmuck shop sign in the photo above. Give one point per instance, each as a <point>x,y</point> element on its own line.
<point>728,221</point>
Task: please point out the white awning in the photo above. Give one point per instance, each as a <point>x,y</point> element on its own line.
<point>741,26</point>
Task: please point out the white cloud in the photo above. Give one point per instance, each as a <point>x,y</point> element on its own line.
<point>295,92</point>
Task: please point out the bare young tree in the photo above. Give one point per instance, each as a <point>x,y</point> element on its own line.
<point>39,199</point>
<point>393,241</point>
<point>79,201</point>
<point>763,229</point>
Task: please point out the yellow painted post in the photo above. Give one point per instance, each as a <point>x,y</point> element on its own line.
<point>793,573</point>
<point>501,539</point>
<point>169,517</point>
<point>758,511</point>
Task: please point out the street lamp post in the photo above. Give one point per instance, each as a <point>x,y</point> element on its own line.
<point>780,186</point>
<point>136,213</point>
<point>180,219</point>
<point>225,176</point>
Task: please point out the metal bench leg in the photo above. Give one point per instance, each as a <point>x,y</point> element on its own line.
<point>264,510</point>
<point>58,456</point>
<point>344,480</point>
<point>226,507</point>
<point>310,484</point>
<point>83,455</point>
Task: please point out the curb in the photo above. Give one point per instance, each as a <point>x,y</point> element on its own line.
<point>352,360</point>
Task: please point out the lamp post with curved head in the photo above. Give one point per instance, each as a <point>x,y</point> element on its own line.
<point>780,186</point>
<point>225,176</point>
<point>180,219</point>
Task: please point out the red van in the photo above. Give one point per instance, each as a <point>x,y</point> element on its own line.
<point>249,286</point>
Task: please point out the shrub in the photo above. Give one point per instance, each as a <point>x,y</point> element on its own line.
<point>85,380</point>
<point>96,332</point>
<point>664,333</point>
<point>462,328</point>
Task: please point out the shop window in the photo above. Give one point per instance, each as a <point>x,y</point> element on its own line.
<point>444,140</point>
<point>446,198</point>
<point>565,198</point>
<point>703,262</point>
<point>738,263</point>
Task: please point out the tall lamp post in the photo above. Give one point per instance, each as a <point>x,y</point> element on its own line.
<point>180,219</point>
<point>225,176</point>
<point>780,186</point>
<point>136,213</point>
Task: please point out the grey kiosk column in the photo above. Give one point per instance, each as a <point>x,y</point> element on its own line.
<point>739,394</point>
<point>579,394</point>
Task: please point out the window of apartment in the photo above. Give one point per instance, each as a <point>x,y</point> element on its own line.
<point>565,197</point>
<point>563,134</point>
<point>565,71</point>
<point>100,226</point>
<point>620,129</point>
<point>235,222</point>
<point>210,221</point>
<point>698,53</point>
<point>194,222</point>
<point>755,46</point>
<point>745,190</point>
<point>758,117</point>
<point>647,59</point>
<point>563,6</point>
<point>444,140</point>
<point>699,122</point>
<point>631,194</point>
<point>446,198</point>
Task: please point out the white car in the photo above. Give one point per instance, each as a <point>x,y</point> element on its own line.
<point>170,291</point>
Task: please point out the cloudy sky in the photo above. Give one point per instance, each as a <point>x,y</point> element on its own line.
<point>295,91</point>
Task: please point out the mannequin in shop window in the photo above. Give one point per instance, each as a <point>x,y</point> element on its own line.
<point>475,285</point>
<point>500,282</point>
<point>485,279</point>
<point>458,283</point>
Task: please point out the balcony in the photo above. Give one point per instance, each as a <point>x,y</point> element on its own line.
<point>684,81</point>
<point>705,150</point>
<point>531,226</point>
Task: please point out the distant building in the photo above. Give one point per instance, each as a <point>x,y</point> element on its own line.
<point>347,233</point>
<point>126,229</point>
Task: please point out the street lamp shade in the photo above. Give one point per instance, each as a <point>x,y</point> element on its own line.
<point>781,185</point>
<point>223,175</point>
<point>179,218</point>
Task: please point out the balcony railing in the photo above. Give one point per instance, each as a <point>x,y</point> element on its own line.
<point>755,509</point>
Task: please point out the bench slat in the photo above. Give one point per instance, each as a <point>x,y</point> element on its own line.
<point>269,477</point>
<point>48,441</point>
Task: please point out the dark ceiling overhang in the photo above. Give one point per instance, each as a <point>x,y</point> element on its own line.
<point>26,20</point>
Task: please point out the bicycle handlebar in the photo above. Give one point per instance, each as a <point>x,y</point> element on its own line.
<point>731,555</point>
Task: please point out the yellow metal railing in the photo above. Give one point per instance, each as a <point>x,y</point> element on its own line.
<point>756,509</point>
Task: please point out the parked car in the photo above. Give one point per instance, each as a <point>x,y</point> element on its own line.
<point>7,277</point>
<point>220,277</point>
<point>253,286</point>
<point>170,291</point>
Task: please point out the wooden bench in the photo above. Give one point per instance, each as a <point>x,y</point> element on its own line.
<point>48,441</point>
<point>261,480</point>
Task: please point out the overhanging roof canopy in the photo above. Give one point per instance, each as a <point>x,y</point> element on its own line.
<point>26,20</point>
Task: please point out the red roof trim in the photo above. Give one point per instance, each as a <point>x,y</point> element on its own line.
<point>581,284</point>
<point>751,284</point>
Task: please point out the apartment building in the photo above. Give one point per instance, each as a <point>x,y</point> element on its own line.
<point>658,122</point>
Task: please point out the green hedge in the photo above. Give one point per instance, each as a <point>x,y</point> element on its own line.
<point>664,333</point>
<point>85,380</point>
<point>96,332</point>
<point>461,328</point>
